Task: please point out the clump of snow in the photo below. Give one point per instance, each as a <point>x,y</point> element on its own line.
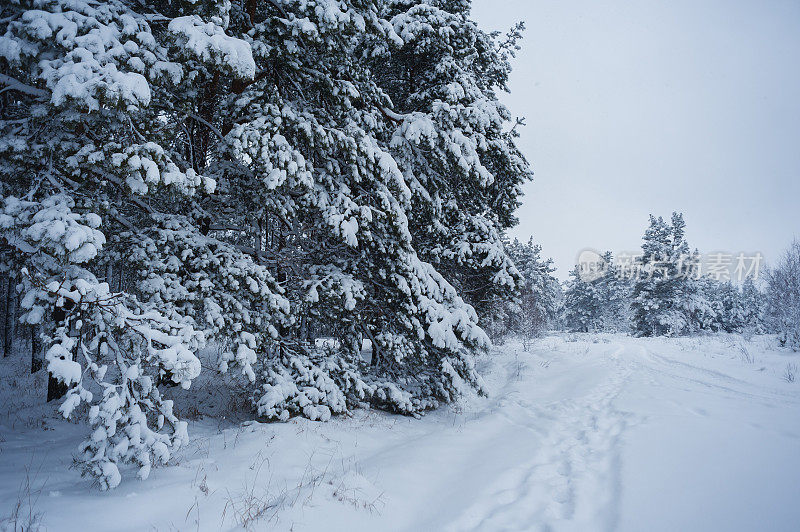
<point>208,42</point>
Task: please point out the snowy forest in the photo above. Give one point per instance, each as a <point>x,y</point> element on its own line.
<point>227,217</point>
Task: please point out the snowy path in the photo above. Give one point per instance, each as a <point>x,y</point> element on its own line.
<point>607,433</point>
<point>573,473</point>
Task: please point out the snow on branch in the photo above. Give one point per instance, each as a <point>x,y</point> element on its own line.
<point>208,42</point>
<point>15,84</point>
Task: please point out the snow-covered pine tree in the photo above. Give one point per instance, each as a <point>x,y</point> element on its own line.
<point>308,158</point>
<point>95,98</point>
<point>665,297</point>
<point>450,138</point>
<point>582,304</point>
<point>600,304</point>
<point>733,309</point>
<point>248,174</point>
<point>614,292</point>
<point>537,302</point>
<point>783,297</point>
<point>710,316</point>
<point>753,304</point>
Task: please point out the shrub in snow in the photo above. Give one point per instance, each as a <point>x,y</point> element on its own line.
<point>296,384</point>
<point>790,372</point>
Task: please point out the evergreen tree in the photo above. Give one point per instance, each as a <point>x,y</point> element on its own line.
<point>753,305</point>
<point>614,293</point>
<point>600,304</point>
<point>582,304</point>
<point>733,310</point>
<point>90,148</point>
<point>538,295</point>
<point>728,307</point>
<point>665,297</point>
<point>711,315</point>
<point>449,137</point>
<point>252,174</point>
<point>783,297</point>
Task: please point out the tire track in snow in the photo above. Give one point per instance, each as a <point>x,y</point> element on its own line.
<point>573,478</point>
<point>708,378</point>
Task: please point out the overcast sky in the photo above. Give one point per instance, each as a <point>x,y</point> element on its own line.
<point>647,107</point>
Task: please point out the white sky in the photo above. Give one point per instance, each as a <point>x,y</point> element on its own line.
<point>650,106</point>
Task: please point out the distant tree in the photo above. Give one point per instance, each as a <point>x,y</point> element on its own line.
<point>727,307</point>
<point>783,297</point>
<point>614,292</point>
<point>753,303</point>
<point>666,299</point>
<point>581,304</point>
<point>710,315</point>
<point>600,304</point>
<point>733,307</point>
<point>539,290</point>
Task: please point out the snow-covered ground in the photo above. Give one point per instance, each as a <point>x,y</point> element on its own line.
<point>581,432</point>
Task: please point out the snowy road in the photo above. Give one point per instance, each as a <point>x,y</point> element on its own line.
<point>579,433</point>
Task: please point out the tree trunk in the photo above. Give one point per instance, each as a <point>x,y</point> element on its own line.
<point>259,244</point>
<point>4,291</point>
<point>109,276</point>
<point>55,388</point>
<point>201,141</point>
<point>36,359</point>
<point>8,321</point>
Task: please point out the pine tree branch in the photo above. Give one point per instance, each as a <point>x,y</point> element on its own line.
<point>17,85</point>
<point>206,123</point>
<point>134,199</point>
<point>391,115</point>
